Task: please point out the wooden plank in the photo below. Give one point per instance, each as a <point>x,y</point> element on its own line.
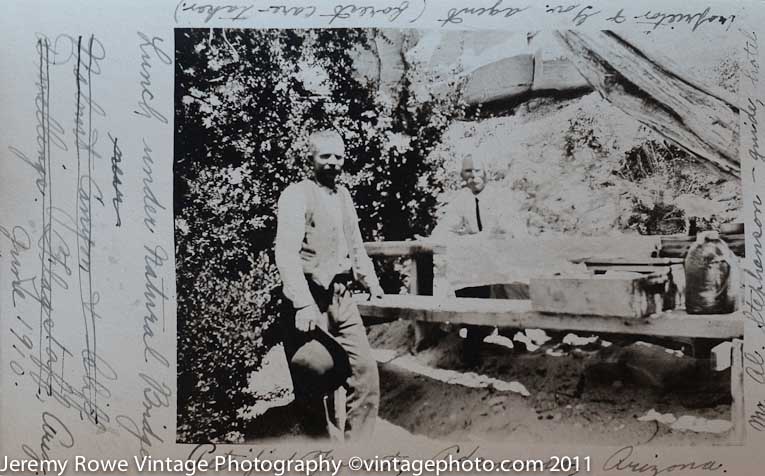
<point>728,238</point>
<point>633,261</point>
<point>699,120</point>
<point>394,249</point>
<point>677,246</point>
<point>600,268</point>
<point>673,268</point>
<point>601,295</point>
<point>519,315</point>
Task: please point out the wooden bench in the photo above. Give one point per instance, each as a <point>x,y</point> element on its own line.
<point>422,259</point>
<point>518,314</point>
<point>502,313</point>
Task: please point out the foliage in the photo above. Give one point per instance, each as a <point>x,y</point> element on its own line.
<point>245,102</point>
<point>653,157</point>
<point>580,133</point>
<point>667,172</point>
<point>656,219</point>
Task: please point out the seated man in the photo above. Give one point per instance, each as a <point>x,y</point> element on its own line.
<point>478,209</point>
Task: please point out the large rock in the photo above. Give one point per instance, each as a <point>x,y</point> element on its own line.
<point>661,369</point>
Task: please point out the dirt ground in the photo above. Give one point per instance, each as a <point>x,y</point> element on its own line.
<point>591,394</point>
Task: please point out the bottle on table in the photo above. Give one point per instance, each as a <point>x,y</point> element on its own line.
<point>711,276</point>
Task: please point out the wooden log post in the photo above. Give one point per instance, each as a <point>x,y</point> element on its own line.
<point>737,408</point>
<point>424,334</point>
<point>650,89</point>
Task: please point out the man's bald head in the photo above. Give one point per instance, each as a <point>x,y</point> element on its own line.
<point>326,140</point>
<point>473,172</point>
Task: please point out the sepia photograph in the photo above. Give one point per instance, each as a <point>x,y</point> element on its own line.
<point>522,237</point>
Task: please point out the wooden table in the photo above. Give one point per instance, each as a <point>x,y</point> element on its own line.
<point>424,310</point>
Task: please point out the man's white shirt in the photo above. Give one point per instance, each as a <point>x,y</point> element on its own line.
<point>499,214</point>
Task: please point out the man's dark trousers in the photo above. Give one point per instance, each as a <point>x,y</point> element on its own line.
<point>333,355</point>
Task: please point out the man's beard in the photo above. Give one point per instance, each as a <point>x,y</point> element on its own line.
<point>476,185</point>
<point>327,177</point>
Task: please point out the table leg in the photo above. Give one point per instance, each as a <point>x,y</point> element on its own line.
<point>737,409</point>
<point>421,282</point>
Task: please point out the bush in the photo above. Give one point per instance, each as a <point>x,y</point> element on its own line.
<point>245,102</point>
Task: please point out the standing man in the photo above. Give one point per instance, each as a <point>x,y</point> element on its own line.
<point>319,253</point>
